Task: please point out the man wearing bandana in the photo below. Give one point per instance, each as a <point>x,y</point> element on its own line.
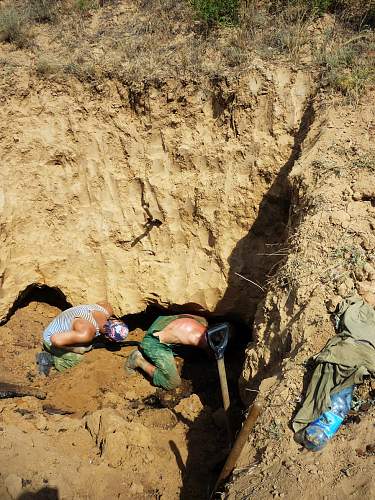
<point>73,331</point>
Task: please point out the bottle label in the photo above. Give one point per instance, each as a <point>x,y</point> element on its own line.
<point>329,422</point>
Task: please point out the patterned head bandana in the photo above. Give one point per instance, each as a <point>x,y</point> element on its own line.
<point>115,330</point>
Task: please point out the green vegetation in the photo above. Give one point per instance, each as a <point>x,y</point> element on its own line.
<point>13,27</point>
<point>352,255</point>
<point>86,5</point>
<point>366,161</point>
<point>355,12</point>
<point>46,67</point>
<point>217,11</point>
<point>42,11</point>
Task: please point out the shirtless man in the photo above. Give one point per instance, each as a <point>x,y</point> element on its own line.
<point>155,355</point>
<point>72,332</point>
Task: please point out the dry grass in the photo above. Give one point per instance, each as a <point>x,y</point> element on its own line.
<point>13,27</point>
<point>144,41</point>
<point>42,11</point>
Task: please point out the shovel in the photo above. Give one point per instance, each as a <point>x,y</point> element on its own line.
<point>217,339</point>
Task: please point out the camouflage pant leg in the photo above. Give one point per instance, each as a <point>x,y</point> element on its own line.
<point>161,355</point>
<point>62,359</point>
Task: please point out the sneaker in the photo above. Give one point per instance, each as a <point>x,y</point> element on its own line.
<point>44,360</point>
<point>132,362</point>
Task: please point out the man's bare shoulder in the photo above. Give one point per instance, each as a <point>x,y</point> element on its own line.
<point>200,319</point>
<point>107,306</point>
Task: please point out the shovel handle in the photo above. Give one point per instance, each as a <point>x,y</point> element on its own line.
<point>242,437</point>
<point>225,395</point>
<point>223,383</point>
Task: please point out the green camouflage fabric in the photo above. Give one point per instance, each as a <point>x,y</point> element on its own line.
<point>347,358</point>
<point>161,355</point>
<point>62,359</point>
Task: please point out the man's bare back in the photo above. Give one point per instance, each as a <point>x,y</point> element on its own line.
<point>185,331</point>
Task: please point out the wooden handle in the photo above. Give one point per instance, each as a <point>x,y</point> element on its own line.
<point>239,444</point>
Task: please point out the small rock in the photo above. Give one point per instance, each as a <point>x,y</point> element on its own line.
<point>368,244</point>
<point>368,268</point>
<point>41,423</point>
<point>13,484</point>
<point>136,488</point>
<point>357,196</point>
<point>332,303</point>
<point>130,395</point>
<point>165,418</point>
<point>287,463</point>
<point>346,288</point>
<point>190,408</point>
<point>360,274</point>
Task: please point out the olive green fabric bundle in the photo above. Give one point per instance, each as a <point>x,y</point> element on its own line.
<point>346,359</point>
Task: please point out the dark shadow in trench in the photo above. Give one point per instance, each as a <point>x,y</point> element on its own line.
<point>45,493</point>
<point>258,255</point>
<point>255,257</point>
<point>38,293</point>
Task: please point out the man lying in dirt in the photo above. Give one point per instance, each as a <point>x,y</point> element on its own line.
<point>156,356</point>
<point>72,332</point>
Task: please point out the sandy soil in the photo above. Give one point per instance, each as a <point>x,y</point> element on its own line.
<point>330,256</point>
<point>99,434</point>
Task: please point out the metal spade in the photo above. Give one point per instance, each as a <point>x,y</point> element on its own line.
<point>217,339</point>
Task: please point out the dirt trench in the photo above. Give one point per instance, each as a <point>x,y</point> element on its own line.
<point>99,433</point>
<point>118,171</point>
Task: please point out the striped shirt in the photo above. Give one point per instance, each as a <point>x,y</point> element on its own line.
<point>64,321</point>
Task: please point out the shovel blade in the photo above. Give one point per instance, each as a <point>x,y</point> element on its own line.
<point>217,339</point>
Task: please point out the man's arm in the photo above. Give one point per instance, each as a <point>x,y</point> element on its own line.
<point>83,333</point>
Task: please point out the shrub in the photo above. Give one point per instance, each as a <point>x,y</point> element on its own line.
<point>349,68</point>
<point>84,71</point>
<point>217,11</point>
<point>42,10</point>
<point>356,13</point>
<point>13,26</point>
<point>86,5</point>
<point>45,66</point>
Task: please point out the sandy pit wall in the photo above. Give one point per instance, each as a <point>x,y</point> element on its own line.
<point>330,255</point>
<point>153,196</point>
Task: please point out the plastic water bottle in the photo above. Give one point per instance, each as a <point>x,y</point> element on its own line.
<point>318,433</point>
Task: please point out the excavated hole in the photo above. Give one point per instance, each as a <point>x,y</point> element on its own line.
<point>206,446</point>
<point>206,435</point>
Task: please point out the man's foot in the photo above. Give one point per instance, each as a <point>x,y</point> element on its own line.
<point>132,362</point>
<point>44,360</point>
